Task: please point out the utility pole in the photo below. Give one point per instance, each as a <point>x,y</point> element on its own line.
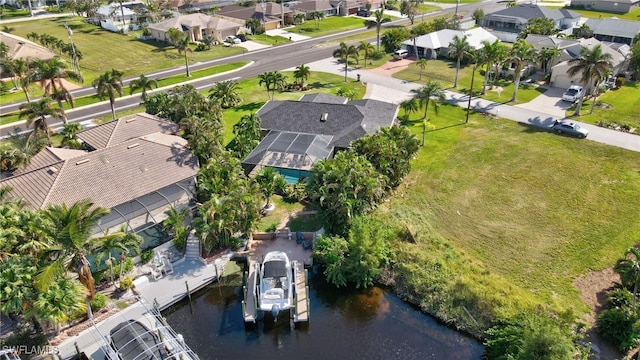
<point>74,58</point>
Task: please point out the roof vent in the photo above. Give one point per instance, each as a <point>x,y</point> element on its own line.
<point>104,159</point>
<point>131,120</point>
<point>324,117</point>
<point>52,170</point>
<point>133,145</point>
<point>82,161</point>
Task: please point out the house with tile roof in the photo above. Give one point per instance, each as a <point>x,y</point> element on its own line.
<point>507,24</point>
<point>616,6</point>
<point>436,43</point>
<point>21,48</point>
<point>270,14</point>
<point>614,30</point>
<point>137,177</point>
<point>196,26</point>
<point>301,133</point>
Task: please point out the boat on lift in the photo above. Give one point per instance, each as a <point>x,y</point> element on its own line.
<point>275,290</point>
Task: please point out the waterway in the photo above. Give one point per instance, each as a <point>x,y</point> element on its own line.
<point>373,324</point>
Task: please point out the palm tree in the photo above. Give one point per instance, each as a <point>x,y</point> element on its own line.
<point>182,46</point>
<point>71,233</point>
<point>302,73</point>
<point>269,181</point>
<point>253,24</point>
<point>431,91</point>
<point>36,113</point>
<point>110,84</point>
<point>61,299</point>
<point>367,49</point>
<point>492,53</point>
<point>272,80</point>
<point>409,106</point>
<point>49,74</point>
<point>629,270</point>
<point>142,83</point>
<point>299,18</point>
<point>377,23</point>
<point>175,225</point>
<point>348,93</point>
<point>69,138</point>
<point>422,64</point>
<point>415,32</point>
<point>459,49</point>
<point>546,56</point>
<point>121,242</point>
<point>317,16</point>
<point>227,93</point>
<point>16,282</point>
<point>521,53</point>
<point>477,59</point>
<point>592,64</point>
<point>344,53</point>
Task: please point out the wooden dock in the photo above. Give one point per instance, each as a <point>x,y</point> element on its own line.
<point>301,297</point>
<point>250,302</point>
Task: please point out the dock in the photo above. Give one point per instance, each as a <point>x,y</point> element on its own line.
<point>301,296</point>
<point>249,289</point>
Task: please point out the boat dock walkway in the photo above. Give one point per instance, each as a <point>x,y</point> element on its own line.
<point>301,298</point>
<point>250,302</point>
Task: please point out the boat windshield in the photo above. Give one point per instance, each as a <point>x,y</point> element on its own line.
<point>274,269</point>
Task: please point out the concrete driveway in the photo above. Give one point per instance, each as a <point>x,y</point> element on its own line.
<point>252,45</point>
<point>550,102</point>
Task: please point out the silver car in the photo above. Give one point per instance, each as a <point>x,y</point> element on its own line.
<point>570,128</point>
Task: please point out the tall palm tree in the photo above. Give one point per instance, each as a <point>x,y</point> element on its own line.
<point>477,59</point>
<point>71,231</point>
<point>459,49</point>
<point>367,49</point>
<point>344,53</point>
<point>492,53</point>
<point>182,46</point>
<point>409,106</point>
<point>317,16</point>
<point>521,53</point>
<point>302,73</point>
<point>61,299</point>
<point>422,64</point>
<point>117,245</point>
<point>226,92</point>
<point>546,56</point>
<point>110,84</point>
<point>142,83</point>
<point>175,225</point>
<point>431,91</point>
<point>272,80</point>
<point>253,24</point>
<point>36,114</point>
<point>629,270</point>
<point>49,73</point>
<point>269,181</point>
<point>592,64</point>
<point>377,23</point>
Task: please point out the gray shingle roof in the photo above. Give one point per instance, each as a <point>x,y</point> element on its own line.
<point>527,12</point>
<point>614,27</point>
<point>126,128</point>
<point>110,176</point>
<point>324,98</point>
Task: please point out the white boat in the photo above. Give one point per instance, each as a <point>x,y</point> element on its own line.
<point>276,284</point>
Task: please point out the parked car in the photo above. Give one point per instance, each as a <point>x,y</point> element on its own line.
<point>400,54</point>
<point>232,40</point>
<point>364,13</point>
<point>573,93</point>
<point>570,128</point>
<point>242,37</point>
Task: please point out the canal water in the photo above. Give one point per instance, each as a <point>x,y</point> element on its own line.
<point>372,324</point>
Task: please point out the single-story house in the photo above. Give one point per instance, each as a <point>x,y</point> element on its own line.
<point>559,76</point>
<point>507,24</point>
<point>301,133</point>
<point>437,43</point>
<point>21,48</point>
<point>117,17</point>
<point>619,6</point>
<point>614,30</point>
<point>138,177</point>
<point>270,14</point>
<point>196,26</point>
<point>309,6</point>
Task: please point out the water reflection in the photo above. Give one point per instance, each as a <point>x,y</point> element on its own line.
<point>373,324</point>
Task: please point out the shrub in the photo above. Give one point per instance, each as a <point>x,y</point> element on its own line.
<point>620,81</point>
<point>377,55</point>
<point>98,302</point>
<point>127,266</point>
<point>201,47</point>
<point>619,298</point>
<point>126,283</point>
<point>620,327</point>
<point>98,276</point>
<point>146,256</point>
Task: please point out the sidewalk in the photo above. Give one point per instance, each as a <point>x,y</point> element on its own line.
<point>387,88</point>
<point>36,16</point>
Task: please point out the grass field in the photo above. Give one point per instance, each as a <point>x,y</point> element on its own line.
<point>131,56</point>
<point>631,15</point>
<point>329,25</point>
<point>506,216</point>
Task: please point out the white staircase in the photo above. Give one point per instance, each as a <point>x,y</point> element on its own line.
<point>192,249</point>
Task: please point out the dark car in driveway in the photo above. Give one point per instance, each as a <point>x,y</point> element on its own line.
<point>364,13</point>
<point>569,128</point>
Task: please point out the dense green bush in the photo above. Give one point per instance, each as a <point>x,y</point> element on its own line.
<point>618,298</point>
<point>126,283</point>
<point>146,256</point>
<point>98,302</point>
<point>620,327</point>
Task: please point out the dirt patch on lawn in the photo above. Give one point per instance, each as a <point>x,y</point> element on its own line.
<point>593,291</point>
<point>392,66</point>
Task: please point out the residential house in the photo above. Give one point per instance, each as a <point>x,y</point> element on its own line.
<point>196,26</point>
<point>269,13</point>
<point>301,133</point>
<point>309,6</point>
<point>21,48</point>
<point>117,17</point>
<point>560,77</point>
<point>614,30</point>
<point>507,24</point>
<point>138,170</point>
<point>617,6</point>
<point>437,43</point>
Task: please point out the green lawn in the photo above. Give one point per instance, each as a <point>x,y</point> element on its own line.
<point>444,72</point>
<point>506,216</point>
<point>624,104</point>
<point>9,13</point>
<point>254,95</point>
<point>330,25</point>
<point>103,50</point>
<point>632,15</point>
<point>268,40</point>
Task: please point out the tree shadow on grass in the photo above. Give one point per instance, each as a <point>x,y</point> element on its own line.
<point>319,85</point>
<point>253,106</point>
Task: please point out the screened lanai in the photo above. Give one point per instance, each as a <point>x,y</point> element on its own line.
<point>291,154</point>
